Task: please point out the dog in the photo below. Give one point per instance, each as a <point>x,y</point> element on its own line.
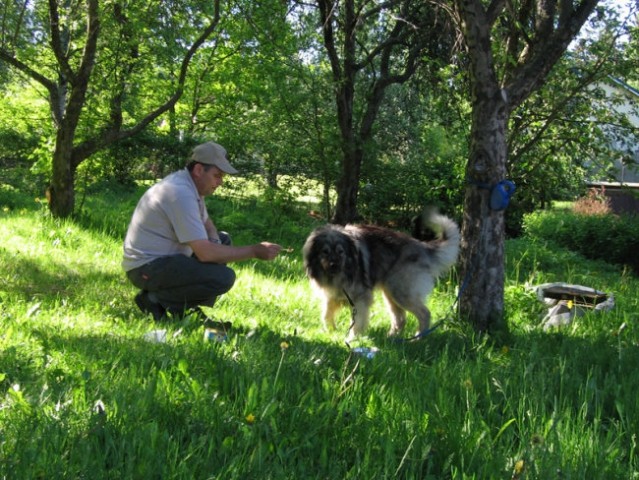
<point>346,263</point>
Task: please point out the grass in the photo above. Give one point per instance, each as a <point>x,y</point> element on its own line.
<point>84,395</point>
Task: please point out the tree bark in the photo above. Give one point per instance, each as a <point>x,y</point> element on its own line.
<point>482,247</point>
<point>348,188</point>
<point>61,190</point>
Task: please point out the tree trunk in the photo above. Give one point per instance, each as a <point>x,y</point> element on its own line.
<point>356,46</point>
<point>348,188</point>
<point>61,191</point>
<point>482,247</point>
<point>548,29</point>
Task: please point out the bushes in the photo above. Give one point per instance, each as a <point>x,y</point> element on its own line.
<point>612,238</point>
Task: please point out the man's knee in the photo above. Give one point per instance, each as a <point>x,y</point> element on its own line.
<point>221,280</point>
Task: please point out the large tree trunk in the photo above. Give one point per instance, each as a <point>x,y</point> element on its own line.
<point>348,188</point>
<point>482,247</point>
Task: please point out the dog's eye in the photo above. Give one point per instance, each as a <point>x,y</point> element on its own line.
<point>339,249</point>
<point>326,250</point>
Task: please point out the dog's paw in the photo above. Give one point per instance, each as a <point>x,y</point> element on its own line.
<point>329,326</point>
<point>395,332</point>
<point>351,336</point>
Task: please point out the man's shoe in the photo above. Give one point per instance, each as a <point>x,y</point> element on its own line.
<point>217,325</point>
<point>145,304</point>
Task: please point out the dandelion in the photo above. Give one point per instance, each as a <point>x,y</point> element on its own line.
<point>505,350</point>
<point>250,419</point>
<point>519,469</point>
<point>284,345</point>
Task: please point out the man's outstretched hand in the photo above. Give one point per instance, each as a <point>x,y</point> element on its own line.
<point>267,250</point>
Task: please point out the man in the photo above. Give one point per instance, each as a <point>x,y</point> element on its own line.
<point>172,251</point>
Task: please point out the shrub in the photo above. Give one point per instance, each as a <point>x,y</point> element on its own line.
<point>594,203</point>
<point>598,236</point>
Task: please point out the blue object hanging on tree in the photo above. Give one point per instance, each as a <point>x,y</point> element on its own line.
<point>500,195</point>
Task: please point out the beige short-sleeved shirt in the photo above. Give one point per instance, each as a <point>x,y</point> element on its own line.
<point>169,215</point>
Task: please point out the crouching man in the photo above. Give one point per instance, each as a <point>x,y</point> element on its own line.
<point>172,251</point>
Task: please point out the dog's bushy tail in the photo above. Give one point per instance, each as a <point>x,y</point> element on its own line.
<point>441,232</point>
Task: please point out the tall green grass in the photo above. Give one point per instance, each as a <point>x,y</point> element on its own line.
<point>84,395</point>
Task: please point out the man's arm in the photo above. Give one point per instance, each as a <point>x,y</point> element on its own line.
<point>209,252</point>
<point>211,231</point>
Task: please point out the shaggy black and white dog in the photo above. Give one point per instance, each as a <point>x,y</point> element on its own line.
<point>346,264</point>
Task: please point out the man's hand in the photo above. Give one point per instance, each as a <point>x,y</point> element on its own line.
<point>266,250</point>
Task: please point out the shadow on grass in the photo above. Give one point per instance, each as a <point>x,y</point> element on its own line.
<point>33,280</point>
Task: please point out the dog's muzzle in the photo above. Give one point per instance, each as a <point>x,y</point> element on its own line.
<point>331,266</point>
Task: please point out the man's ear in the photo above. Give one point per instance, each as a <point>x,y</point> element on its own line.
<point>198,170</point>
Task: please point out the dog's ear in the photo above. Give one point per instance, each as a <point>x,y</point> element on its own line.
<point>310,255</point>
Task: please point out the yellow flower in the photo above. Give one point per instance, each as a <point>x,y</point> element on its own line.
<point>284,345</point>
<point>250,419</point>
<point>519,468</point>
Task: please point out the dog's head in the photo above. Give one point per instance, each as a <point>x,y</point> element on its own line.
<point>329,252</point>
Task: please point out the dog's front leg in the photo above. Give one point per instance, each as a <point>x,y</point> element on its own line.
<point>331,307</point>
<point>360,317</point>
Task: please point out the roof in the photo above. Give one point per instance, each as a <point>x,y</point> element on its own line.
<point>613,185</point>
<point>624,85</point>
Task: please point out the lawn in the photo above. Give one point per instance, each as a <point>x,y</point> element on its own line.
<point>85,394</point>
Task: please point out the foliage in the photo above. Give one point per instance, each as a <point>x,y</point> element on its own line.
<point>399,188</point>
<point>263,89</point>
<point>570,130</point>
<point>147,156</point>
<point>598,236</point>
<point>419,156</point>
<point>83,394</point>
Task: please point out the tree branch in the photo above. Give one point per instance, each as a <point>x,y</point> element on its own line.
<point>111,134</point>
<point>26,69</point>
<point>546,51</point>
<point>56,41</point>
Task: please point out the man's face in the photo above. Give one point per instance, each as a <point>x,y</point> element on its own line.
<point>207,178</point>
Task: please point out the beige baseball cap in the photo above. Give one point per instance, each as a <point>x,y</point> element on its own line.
<point>211,153</point>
